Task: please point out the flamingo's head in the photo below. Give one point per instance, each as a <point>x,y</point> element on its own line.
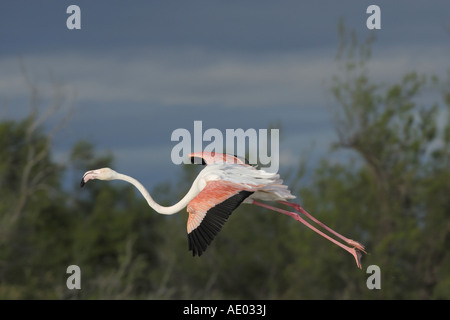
<point>100,174</point>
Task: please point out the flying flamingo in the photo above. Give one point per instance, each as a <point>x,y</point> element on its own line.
<point>225,183</point>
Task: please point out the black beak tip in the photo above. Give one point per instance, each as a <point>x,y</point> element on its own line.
<point>82,183</point>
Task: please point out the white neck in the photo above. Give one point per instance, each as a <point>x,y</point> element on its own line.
<point>158,208</point>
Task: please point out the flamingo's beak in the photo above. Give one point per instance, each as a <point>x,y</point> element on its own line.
<point>89,175</point>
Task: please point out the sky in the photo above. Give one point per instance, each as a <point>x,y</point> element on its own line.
<point>136,71</point>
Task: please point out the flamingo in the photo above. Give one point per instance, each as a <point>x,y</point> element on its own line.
<point>225,183</point>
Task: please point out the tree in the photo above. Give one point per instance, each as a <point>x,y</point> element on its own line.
<point>390,192</point>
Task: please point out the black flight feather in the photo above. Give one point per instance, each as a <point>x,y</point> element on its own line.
<point>201,237</point>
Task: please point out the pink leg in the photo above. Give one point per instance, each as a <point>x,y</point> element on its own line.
<point>353,251</point>
<point>350,242</point>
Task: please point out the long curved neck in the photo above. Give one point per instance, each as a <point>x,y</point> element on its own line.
<point>152,203</point>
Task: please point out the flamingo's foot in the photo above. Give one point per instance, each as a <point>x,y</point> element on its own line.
<point>357,256</point>
<point>356,245</point>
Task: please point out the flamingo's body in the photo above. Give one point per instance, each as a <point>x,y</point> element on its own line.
<point>218,190</point>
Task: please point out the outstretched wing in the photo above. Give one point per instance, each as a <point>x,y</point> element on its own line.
<point>209,210</point>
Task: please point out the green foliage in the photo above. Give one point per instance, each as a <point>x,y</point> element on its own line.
<point>402,171</point>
